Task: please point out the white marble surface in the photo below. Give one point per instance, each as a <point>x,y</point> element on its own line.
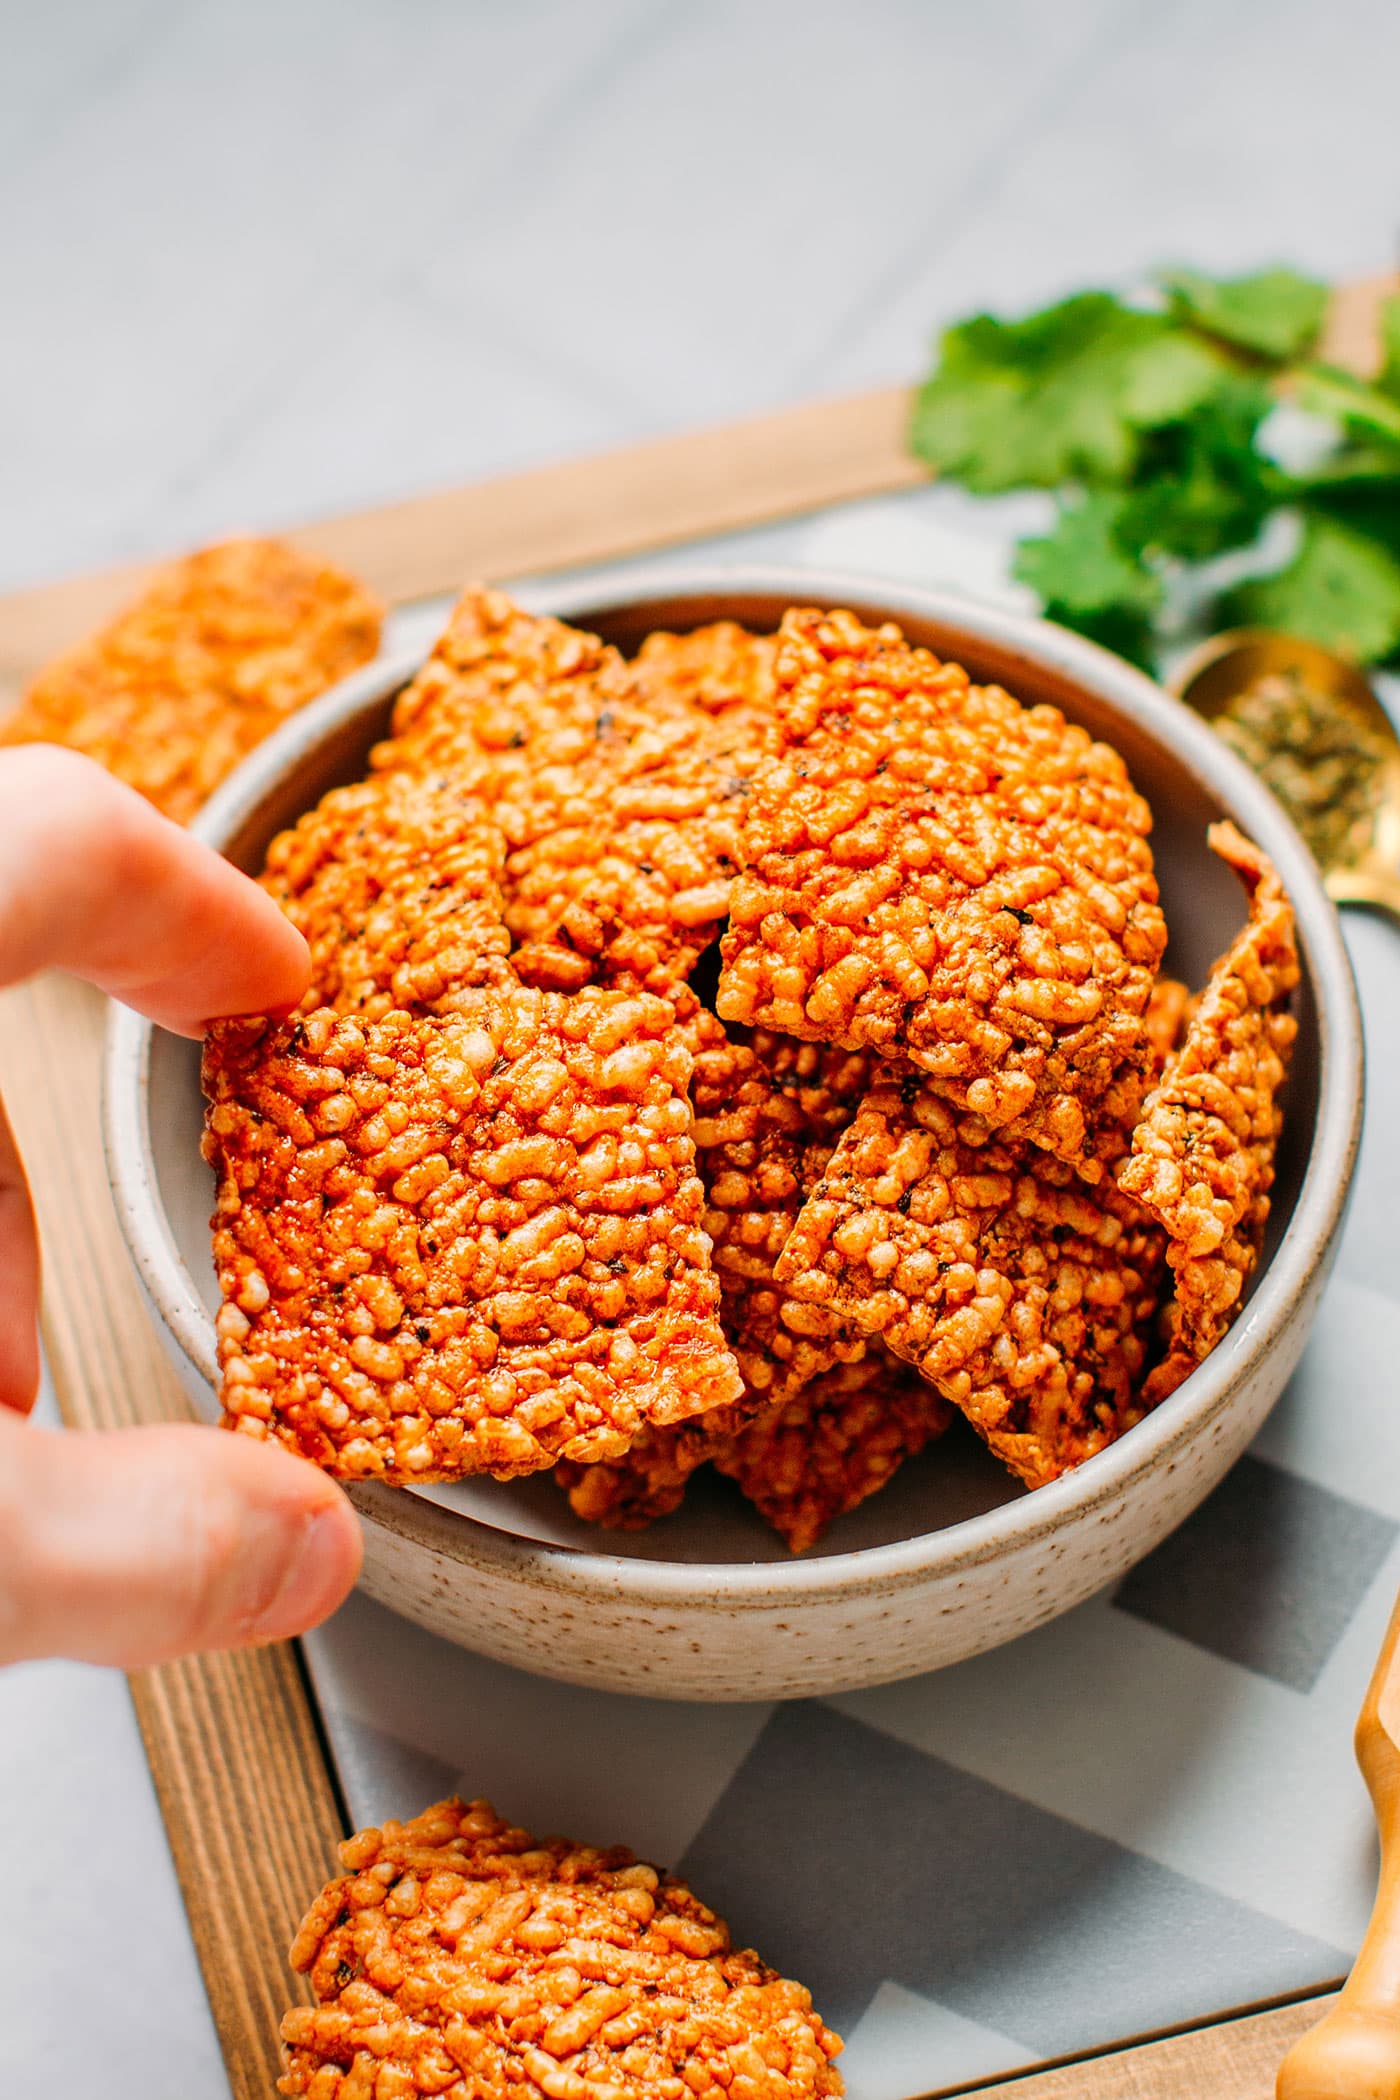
<point>263,260</point>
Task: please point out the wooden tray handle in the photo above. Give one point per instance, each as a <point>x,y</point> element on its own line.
<point>1354,2051</point>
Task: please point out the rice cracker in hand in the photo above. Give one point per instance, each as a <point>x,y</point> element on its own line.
<point>396,884</point>
<point>936,872</point>
<point>460,1957</point>
<point>1202,1158</point>
<point>461,1243</point>
<point>1026,1295</point>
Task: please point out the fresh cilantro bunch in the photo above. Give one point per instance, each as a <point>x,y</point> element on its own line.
<point>1153,421</point>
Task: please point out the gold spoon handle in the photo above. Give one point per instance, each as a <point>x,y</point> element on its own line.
<point>1354,2051</point>
<point>1376,887</point>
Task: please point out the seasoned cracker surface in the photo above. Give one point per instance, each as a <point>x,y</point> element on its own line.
<point>620,796</point>
<point>1203,1154</point>
<point>936,872</point>
<point>716,667</point>
<point>632,884</point>
<point>459,1957</point>
<point>507,1195</point>
<point>1164,1022</point>
<point>1025,1294</point>
<point>650,1478</point>
<point>768,1111</point>
<point>216,654</point>
<point>395,882</point>
<point>831,1446</point>
<point>461,1243</point>
<point>512,704</point>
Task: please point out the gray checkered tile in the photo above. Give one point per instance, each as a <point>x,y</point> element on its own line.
<point>852,1860</point>
<point>1268,1572</point>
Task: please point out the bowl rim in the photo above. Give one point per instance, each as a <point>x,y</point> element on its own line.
<point>1023,1524</point>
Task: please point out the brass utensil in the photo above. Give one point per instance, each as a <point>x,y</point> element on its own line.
<point>1354,2051</point>
<point>1314,730</point>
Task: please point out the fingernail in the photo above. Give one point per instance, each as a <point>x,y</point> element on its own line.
<point>313,1579</point>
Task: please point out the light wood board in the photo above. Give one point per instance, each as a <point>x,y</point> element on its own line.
<point>246,1787</point>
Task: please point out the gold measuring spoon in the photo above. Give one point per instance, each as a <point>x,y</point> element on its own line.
<point>1354,2051</point>
<point>1311,727</point>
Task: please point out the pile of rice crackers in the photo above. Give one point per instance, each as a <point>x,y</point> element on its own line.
<point>753,1053</point>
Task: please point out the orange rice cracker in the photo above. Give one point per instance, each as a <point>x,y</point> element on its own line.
<point>1024,1293</point>
<point>620,802</point>
<point>1062,1377</point>
<point>459,1957</point>
<point>820,1454</point>
<point>1202,1158</point>
<point>934,871</point>
<point>217,652</point>
<point>768,1111</point>
<point>519,708</point>
<point>715,667</point>
<point>648,1481</point>
<point>395,882</point>
<point>632,884</point>
<point>464,1242</point>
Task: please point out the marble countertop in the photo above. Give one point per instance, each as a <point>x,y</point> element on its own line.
<point>266,260</point>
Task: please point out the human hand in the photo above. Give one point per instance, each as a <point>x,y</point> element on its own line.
<point>142,1544</point>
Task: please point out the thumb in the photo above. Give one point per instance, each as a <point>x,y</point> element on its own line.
<point>144,1544</point>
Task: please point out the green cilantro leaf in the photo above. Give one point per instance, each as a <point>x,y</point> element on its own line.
<point>1368,505</point>
<point>1201,486</point>
<point>1323,390</point>
<point>1087,579</point>
<point>1351,466</point>
<point>1061,396</point>
<point>1155,427</point>
<point>1341,589</point>
<point>1276,313</point>
<point>1388,379</point>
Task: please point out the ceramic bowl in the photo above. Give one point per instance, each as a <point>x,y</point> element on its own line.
<point>953,1558</point>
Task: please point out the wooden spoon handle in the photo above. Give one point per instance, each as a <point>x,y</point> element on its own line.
<point>1354,2051</point>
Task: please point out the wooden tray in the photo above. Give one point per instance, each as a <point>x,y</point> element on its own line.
<point>246,1785</point>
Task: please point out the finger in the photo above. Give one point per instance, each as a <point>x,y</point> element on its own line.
<point>19,1279</point>
<point>134,1547</point>
<point>93,880</point>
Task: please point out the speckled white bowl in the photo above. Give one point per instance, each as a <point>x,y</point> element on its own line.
<point>951,1559</point>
